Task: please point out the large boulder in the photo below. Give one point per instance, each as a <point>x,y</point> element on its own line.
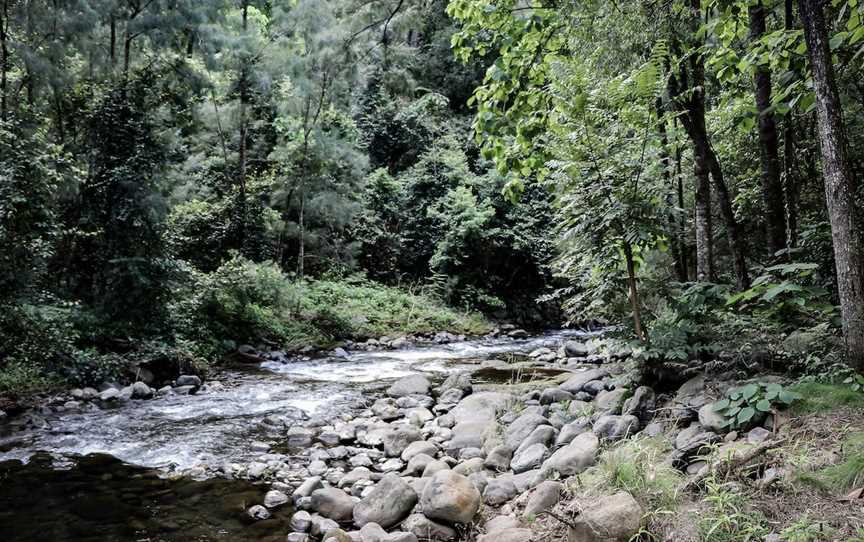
<point>578,381</point>
<point>333,503</point>
<point>389,502</point>
<point>418,447</point>
<point>542,434</point>
<point>517,534</point>
<point>458,381</point>
<point>615,518</point>
<point>575,457</point>
<point>450,497</point>
<point>576,349</point>
<point>409,385</point>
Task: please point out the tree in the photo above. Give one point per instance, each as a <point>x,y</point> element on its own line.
<point>840,186</point>
<point>772,187</point>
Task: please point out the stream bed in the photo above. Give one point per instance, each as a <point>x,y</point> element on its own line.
<point>108,474</point>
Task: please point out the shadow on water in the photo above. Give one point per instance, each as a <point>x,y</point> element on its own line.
<point>103,499</point>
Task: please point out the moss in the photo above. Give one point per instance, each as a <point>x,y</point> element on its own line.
<point>818,397</point>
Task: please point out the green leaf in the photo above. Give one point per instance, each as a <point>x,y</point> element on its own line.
<point>763,406</point>
<point>746,415</point>
<point>749,391</point>
<point>720,405</point>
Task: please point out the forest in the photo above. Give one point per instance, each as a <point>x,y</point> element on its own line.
<point>188,183</point>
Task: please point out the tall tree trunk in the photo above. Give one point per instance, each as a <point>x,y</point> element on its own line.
<point>705,163</point>
<point>301,256</point>
<point>634,292</point>
<point>704,226</point>
<point>113,40</point>
<point>677,243</point>
<point>772,188</point>
<point>839,184</point>
<point>244,130</point>
<point>4,61</point>
<point>736,243</point>
<point>682,221</point>
<point>790,162</point>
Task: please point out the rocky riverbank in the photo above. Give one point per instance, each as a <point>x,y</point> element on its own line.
<point>506,440</point>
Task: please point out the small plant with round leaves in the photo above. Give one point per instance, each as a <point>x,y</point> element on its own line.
<point>748,405</point>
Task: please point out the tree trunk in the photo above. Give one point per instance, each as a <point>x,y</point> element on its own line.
<point>113,41</point>
<point>790,162</point>
<point>702,204</point>
<point>736,243</point>
<point>677,243</point>
<point>4,62</point>
<point>301,256</point>
<point>244,130</point>
<point>692,104</point>
<point>634,292</point>
<point>839,184</point>
<point>772,188</point>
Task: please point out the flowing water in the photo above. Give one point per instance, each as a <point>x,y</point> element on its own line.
<point>103,474</point>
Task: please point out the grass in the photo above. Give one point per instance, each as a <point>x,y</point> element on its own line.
<point>729,517</point>
<point>374,310</point>
<point>846,475</point>
<point>818,397</point>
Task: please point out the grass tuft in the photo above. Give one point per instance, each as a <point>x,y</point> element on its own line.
<point>816,397</point>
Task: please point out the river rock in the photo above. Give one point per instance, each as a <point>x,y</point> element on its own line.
<point>499,490</point>
<point>641,404</point>
<point>297,537</point>
<point>610,402</point>
<point>301,521</point>
<point>508,535</point>
<point>575,457</point>
<point>258,512</point>
<point>460,381</point>
<point>521,427</point>
<point>576,349</point>
<point>389,502</point>
<point>299,437</point>
<point>306,489</point>
<point>419,447</point>
<point>450,497</point>
<point>577,381</point>
<point>188,380</point>
<point>499,458</point>
<point>543,434</point>
<point>434,467</point>
<point>615,518</point>
<point>554,395</point>
<point>409,385</point>
<point>110,394</point>
<point>528,458</point>
<point>426,529</point>
<point>397,441</point>
<point>544,497</point>
<point>572,430</point>
<point>386,409</point>
<point>141,390</point>
<point>614,428</point>
<point>418,464</point>
<point>333,503</point>
<point>480,407</point>
<point>275,498</point>
<point>711,419</point>
<point>469,467</point>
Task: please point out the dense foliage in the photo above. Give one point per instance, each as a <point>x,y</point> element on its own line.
<point>184,176</point>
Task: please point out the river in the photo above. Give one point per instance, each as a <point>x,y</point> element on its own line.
<point>122,472</point>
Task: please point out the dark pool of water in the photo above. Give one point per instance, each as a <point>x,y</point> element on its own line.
<point>99,498</point>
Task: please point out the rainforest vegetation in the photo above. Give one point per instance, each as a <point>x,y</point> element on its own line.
<point>180,177</point>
